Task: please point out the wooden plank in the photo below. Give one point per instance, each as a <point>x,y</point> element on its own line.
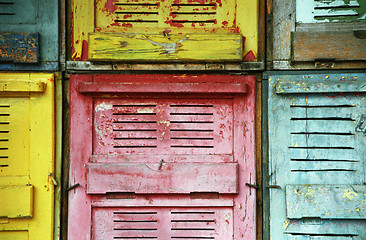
<point>107,47</point>
<point>330,201</point>
<point>162,178</point>
<point>309,46</point>
<point>19,47</point>
<point>305,86</point>
<point>17,86</point>
<point>163,88</point>
<point>16,201</point>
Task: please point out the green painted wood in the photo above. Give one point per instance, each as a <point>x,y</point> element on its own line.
<point>313,142</point>
<point>19,47</point>
<point>33,16</point>
<point>314,11</point>
<point>307,86</point>
<point>329,201</point>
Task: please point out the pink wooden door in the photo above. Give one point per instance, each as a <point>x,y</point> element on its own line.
<point>162,157</point>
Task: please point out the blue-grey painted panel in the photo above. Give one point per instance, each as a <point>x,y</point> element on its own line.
<point>34,16</point>
<point>326,201</point>
<point>313,141</point>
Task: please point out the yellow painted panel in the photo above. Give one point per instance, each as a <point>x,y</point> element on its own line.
<point>155,17</point>
<point>16,201</point>
<point>14,235</point>
<point>160,47</point>
<point>30,151</point>
<point>22,86</point>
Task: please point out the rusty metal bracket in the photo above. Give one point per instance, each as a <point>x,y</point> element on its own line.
<point>361,126</point>
<point>53,179</point>
<point>73,186</point>
<point>274,186</point>
<point>252,185</point>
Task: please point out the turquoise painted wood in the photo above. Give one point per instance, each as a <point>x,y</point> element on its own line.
<point>22,17</point>
<point>317,156</point>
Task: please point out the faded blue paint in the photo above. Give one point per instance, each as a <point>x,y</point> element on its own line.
<point>33,16</point>
<point>313,144</point>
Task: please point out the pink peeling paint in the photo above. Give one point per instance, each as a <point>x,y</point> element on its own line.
<point>110,6</point>
<point>166,152</point>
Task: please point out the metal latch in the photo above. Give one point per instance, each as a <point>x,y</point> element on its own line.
<point>324,63</point>
<point>361,126</point>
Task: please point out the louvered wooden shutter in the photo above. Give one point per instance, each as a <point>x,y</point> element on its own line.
<point>26,156</point>
<point>317,156</point>
<point>163,157</point>
<point>161,30</point>
<point>29,35</point>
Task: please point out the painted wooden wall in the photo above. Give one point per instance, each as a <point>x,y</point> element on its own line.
<point>29,35</point>
<point>162,156</point>
<point>27,177</point>
<point>317,155</point>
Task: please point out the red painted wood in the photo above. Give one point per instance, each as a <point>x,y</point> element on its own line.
<point>162,178</point>
<point>93,141</point>
<point>163,88</point>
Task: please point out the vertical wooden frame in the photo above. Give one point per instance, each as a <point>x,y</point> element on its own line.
<point>81,115</point>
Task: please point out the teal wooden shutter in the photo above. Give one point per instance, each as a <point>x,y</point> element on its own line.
<point>29,35</point>
<point>317,155</point>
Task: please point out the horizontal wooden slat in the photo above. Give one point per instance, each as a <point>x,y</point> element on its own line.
<point>189,47</point>
<point>22,86</point>
<point>328,201</point>
<point>164,88</point>
<point>290,87</point>
<point>19,47</point>
<point>162,178</point>
<point>309,46</point>
<point>16,201</point>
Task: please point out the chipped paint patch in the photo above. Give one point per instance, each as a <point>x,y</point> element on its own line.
<point>103,107</point>
<point>349,195</point>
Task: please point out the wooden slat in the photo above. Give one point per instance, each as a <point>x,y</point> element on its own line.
<point>164,88</point>
<point>330,201</point>
<point>309,46</point>
<point>107,47</point>
<point>22,86</point>
<point>170,178</point>
<point>19,47</point>
<point>16,201</point>
<point>290,87</point>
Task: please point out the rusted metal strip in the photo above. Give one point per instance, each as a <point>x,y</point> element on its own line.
<point>19,47</point>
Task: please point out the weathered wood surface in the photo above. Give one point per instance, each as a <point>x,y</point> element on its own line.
<point>162,178</point>
<point>19,47</point>
<point>224,47</point>
<point>22,86</point>
<point>85,151</point>
<point>326,201</point>
<point>310,46</point>
<point>164,88</point>
<point>326,86</point>
<point>313,143</point>
<point>16,201</point>
<point>33,16</point>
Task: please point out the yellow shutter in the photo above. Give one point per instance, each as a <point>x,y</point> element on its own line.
<point>26,156</point>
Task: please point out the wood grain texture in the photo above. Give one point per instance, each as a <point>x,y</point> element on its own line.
<point>309,46</point>
<point>106,47</point>
<point>162,178</point>
<point>330,201</point>
<point>326,86</point>
<point>19,47</point>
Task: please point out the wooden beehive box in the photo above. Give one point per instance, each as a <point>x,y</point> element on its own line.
<point>173,30</point>
<point>29,35</point>
<point>317,34</point>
